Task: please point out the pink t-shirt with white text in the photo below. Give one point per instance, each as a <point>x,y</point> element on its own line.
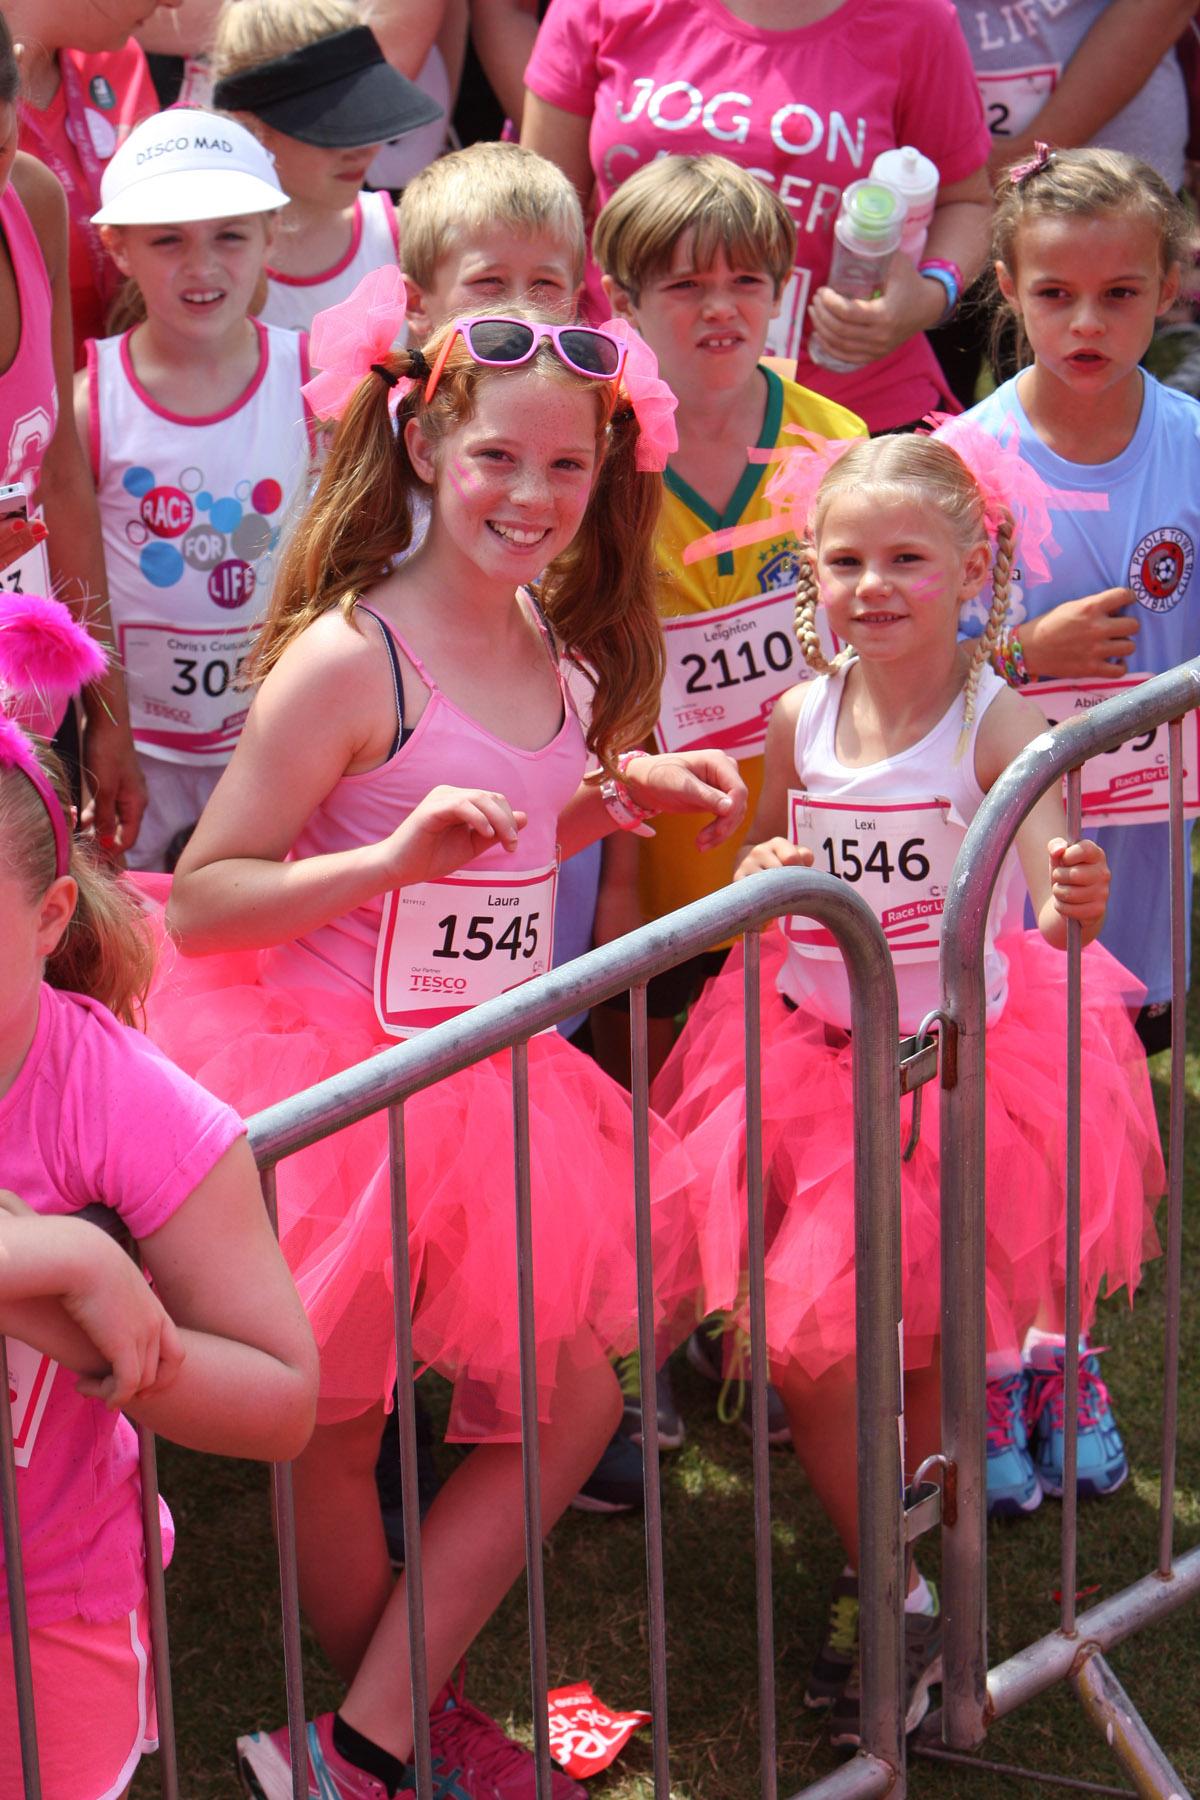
<point>96,1115</point>
<point>806,110</point>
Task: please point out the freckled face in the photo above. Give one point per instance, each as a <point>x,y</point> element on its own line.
<point>512,483</point>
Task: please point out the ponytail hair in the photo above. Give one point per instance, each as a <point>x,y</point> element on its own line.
<point>106,951</point>
<point>598,594</point>
<point>985,644</point>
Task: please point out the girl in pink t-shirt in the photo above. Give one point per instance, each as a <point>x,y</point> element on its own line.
<point>91,1113</point>
<point>804,94</point>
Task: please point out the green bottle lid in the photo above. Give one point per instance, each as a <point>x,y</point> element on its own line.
<point>874,210</point>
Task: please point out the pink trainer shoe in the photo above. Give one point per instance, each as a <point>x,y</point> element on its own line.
<point>490,1766</point>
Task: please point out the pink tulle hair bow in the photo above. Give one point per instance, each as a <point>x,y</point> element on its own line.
<point>797,471</point>
<point>1008,482</point>
<point>346,339</point>
<point>653,403</point>
<point>44,655</point>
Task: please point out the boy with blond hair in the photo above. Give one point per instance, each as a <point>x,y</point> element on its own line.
<point>485,226</point>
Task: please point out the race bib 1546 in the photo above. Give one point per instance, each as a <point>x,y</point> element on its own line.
<point>897,855</point>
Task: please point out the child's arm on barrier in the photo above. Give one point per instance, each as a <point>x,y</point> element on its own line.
<point>70,1291</point>
<point>1065,880</point>
<point>248,1386</point>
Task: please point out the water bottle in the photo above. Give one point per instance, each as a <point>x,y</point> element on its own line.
<point>866,235</point>
<point>914,176</point>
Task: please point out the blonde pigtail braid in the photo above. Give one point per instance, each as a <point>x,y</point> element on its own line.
<point>805,619</point>
<point>998,612</point>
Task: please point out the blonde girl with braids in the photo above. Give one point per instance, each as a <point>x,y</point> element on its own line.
<point>872,775</point>
<point>218,1355</point>
<point>381,853</point>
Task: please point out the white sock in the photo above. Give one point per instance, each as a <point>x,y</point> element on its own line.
<point>1002,1363</point>
<point>920,1598</point>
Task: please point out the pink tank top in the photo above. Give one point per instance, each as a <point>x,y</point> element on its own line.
<point>28,391</point>
<point>445,747</point>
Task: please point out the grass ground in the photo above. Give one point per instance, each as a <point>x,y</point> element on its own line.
<point>225,1638</point>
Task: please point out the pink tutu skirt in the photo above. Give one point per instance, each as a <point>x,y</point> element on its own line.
<point>808,1158</point>
<point>252,1043</point>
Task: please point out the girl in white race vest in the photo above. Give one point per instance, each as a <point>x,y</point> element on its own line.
<point>873,775</point>
<point>199,439</point>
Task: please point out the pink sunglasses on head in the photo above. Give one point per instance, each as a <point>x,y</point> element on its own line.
<point>503,343</point>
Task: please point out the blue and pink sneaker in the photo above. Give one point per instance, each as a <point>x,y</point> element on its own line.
<point>1101,1462</point>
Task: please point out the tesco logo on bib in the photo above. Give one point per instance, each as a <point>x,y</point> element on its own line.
<point>166,511</point>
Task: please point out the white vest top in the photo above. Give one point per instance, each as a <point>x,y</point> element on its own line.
<point>927,770</point>
<point>295,300</point>
<point>191,512</point>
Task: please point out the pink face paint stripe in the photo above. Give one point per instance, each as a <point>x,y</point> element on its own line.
<point>462,479</point>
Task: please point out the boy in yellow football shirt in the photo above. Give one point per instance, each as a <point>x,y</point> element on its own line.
<point>695,253</point>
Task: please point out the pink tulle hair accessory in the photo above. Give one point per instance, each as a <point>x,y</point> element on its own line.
<point>43,653</point>
<point>653,403</point>
<point>346,339</point>
<point>1008,482</point>
<point>797,472</point>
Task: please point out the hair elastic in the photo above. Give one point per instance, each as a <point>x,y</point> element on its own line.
<point>385,374</point>
<point>1041,159</point>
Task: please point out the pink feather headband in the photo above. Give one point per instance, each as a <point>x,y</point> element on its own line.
<point>42,651</point>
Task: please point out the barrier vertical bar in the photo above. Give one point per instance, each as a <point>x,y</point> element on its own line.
<point>964,1344</point>
<point>875,1050</point>
<point>648,1361</point>
<point>406,1425</point>
<point>283,1506</point>
<point>1172,1298</point>
<point>18,1611</point>
<point>756,1259</point>
<point>156,1589</point>
<point>1070,1495</point>
<point>530,1461</point>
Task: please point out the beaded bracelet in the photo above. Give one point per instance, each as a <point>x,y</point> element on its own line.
<point>1008,660</point>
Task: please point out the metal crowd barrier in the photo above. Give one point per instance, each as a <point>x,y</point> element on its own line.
<point>973,1696</point>
<point>506,1024</point>
<point>889,1518</point>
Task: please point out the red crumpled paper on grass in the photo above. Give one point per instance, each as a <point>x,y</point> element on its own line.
<point>586,1735</point>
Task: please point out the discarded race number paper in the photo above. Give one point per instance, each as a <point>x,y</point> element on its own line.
<point>585,1735</point>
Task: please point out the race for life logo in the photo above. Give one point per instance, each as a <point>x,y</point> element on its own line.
<point>1161,568</point>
